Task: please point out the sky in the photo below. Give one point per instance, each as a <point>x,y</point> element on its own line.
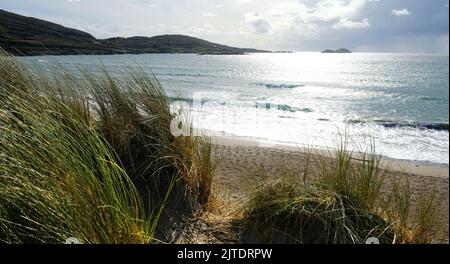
<point>298,25</point>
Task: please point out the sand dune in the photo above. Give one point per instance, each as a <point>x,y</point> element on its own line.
<point>243,164</point>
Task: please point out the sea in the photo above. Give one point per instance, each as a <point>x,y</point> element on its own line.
<point>399,102</point>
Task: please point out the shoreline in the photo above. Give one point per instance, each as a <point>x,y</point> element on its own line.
<point>423,168</point>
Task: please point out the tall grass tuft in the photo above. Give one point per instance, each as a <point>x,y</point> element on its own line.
<point>346,203</point>
<point>134,117</point>
<point>92,156</point>
<point>421,225</point>
<point>358,174</point>
<point>292,212</point>
<point>59,179</point>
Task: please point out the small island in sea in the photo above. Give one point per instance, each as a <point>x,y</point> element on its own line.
<point>342,50</point>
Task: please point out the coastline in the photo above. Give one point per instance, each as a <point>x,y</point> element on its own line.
<point>423,168</point>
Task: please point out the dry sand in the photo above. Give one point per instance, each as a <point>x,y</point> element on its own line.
<point>243,164</point>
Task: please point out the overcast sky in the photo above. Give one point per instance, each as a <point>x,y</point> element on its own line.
<point>300,25</point>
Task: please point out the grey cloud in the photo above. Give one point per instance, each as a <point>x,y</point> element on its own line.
<point>257,23</point>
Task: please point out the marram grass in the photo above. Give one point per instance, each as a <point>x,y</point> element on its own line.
<point>59,179</point>
<point>91,157</point>
<point>345,204</point>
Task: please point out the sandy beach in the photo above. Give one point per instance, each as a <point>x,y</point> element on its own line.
<point>244,163</point>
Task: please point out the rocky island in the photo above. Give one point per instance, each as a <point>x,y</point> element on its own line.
<point>342,50</point>
<point>27,36</point>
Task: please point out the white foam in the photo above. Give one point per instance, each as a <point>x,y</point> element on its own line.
<point>305,129</point>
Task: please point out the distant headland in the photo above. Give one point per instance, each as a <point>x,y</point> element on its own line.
<point>337,51</point>
<point>27,36</point>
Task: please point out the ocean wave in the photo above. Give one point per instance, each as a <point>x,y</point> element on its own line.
<point>280,85</point>
<point>428,98</point>
<point>290,117</point>
<point>283,107</point>
<point>182,99</point>
<point>396,124</point>
<point>293,109</point>
<point>186,74</point>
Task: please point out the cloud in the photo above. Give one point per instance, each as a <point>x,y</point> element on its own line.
<point>400,12</point>
<point>202,31</point>
<point>257,23</point>
<point>208,14</point>
<point>240,2</point>
<point>345,23</point>
<point>308,25</point>
<point>410,44</point>
<point>332,9</point>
